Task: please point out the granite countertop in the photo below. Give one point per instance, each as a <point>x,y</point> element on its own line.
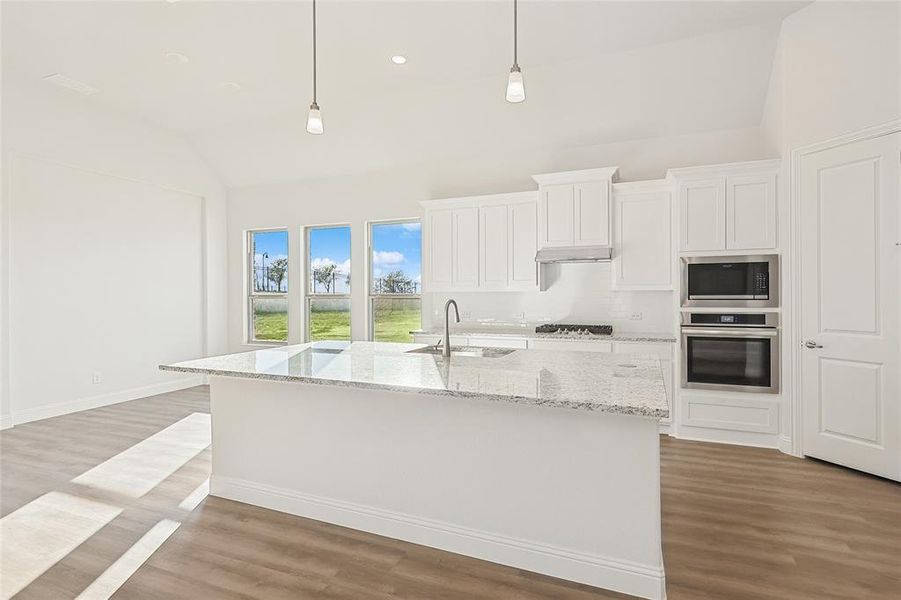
<point>629,384</point>
<point>529,333</point>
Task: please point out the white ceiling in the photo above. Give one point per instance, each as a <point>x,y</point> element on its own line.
<point>595,72</point>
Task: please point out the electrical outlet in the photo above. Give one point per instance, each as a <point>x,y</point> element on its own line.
<point>520,315</point>
<point>466,314</point>
<point>636,316</point>
<point>97,377</point>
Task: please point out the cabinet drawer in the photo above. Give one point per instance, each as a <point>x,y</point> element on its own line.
<point>571,345</point>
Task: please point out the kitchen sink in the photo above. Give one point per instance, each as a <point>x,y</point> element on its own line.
<point>469,351</point>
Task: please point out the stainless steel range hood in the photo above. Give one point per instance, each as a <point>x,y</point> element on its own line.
<point>574,254</point>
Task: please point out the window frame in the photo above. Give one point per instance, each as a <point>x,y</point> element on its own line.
<point>370,295</point>
<point>308,294</point>
<point>249,288</point>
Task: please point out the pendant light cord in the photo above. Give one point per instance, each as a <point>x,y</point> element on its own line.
<point>314,51</point>
<point>515,58</point>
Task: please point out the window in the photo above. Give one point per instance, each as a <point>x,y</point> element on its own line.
<point>267,302</point>
<point>328,291</point>
<point>395,280</point>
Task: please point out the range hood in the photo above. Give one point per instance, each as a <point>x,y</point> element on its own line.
<point>574,254</point>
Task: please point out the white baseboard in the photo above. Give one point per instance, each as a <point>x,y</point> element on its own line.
<point>725,436</point>
<point>644,581</point>
<point>785,444</point>
<point>6,421</point>
<point>64,408</point>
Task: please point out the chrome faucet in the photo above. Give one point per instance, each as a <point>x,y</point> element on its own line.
<point>447,351</point>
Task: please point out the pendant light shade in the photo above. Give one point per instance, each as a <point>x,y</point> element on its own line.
<point>516,88</point>
<point>314,118</point>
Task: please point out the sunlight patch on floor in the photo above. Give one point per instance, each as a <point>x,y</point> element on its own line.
<point>125,566</point>
<point>139,469</point>
<point>39,534</point>
<point>196,497</point>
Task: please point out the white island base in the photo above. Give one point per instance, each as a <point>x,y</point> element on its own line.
<point>570,493</point>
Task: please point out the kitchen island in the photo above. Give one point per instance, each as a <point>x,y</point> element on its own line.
<point>542,460</point>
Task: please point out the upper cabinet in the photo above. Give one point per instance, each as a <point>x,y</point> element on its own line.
<point>481,243</point>
<point>574,208</point>
<point>642,236</point>
<point>727,207</point>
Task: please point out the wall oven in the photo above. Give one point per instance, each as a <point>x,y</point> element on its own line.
<point>731,351</point>
<point>730,281</point>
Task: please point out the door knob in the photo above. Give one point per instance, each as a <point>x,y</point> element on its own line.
<point>811,344</point>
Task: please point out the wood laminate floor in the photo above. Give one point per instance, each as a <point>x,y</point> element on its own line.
<point>738,523</point>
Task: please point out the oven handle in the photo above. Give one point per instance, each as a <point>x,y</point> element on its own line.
<point>749,332</point>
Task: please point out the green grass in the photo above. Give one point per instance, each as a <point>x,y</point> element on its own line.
<point>270,326</point>
<point>329,325</point>
<point>392,324</point>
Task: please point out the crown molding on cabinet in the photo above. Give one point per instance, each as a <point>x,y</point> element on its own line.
<point>737,168</point>
<point>481,200</point>
<point>641,187</point>
<point>582,176</point>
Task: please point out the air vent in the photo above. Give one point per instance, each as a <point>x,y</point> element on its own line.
<point>72,84</point>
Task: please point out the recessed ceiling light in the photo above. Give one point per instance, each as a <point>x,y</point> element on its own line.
<point>398,59</point>
<point>230,86</point>
<point>176,57</point>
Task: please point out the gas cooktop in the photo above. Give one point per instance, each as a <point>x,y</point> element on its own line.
<point>575,329</point>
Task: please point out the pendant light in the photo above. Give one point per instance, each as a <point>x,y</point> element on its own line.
<point>314,119</point>
<point>516,89</point>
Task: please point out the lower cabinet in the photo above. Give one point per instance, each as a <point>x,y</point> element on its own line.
<point>586,346</point>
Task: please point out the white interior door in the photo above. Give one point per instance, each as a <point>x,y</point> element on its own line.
<point>849,229</point>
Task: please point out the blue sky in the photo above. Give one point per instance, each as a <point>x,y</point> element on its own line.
<point>395,246</point>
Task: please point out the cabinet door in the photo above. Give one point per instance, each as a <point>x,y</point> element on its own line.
<point>493,247</point>
<point>575,345</point>
<point>592,213</point>
<point>522,232</point>
<point>440,249</point>
<point>642,232</point>
<point>751,212</point>
<point>466,248</point>
<point>703,215</point>
<point>556,216</point>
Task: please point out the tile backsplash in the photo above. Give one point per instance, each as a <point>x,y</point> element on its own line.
<point>580,293</point>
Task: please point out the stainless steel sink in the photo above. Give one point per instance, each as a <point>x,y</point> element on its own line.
<point>469,351</point>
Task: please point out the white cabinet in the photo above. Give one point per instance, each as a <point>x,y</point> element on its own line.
<point>727,207</point>
<point>487,341</point>
<point>493,247</point>
<point>703,215</point>
<point>556,216</point>
<point>576,345</point>
<point>482,243</point>
<point>591,219</point>
<point>466,248</point>
<point>522,240</point>
<point>751,211</point>
<point>574,208</point>
<point>440,249</point>
<point>642,233</point>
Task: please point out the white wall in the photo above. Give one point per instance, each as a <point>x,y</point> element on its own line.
<point>355,199</point>
<point>84,186</point>
<point>836,69</point>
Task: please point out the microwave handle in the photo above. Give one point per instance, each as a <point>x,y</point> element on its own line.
<point>736,332</point>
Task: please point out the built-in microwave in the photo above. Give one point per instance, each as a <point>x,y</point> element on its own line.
<point>730,281</point>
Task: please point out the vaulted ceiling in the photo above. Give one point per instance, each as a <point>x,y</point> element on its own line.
<point>595,72</point>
